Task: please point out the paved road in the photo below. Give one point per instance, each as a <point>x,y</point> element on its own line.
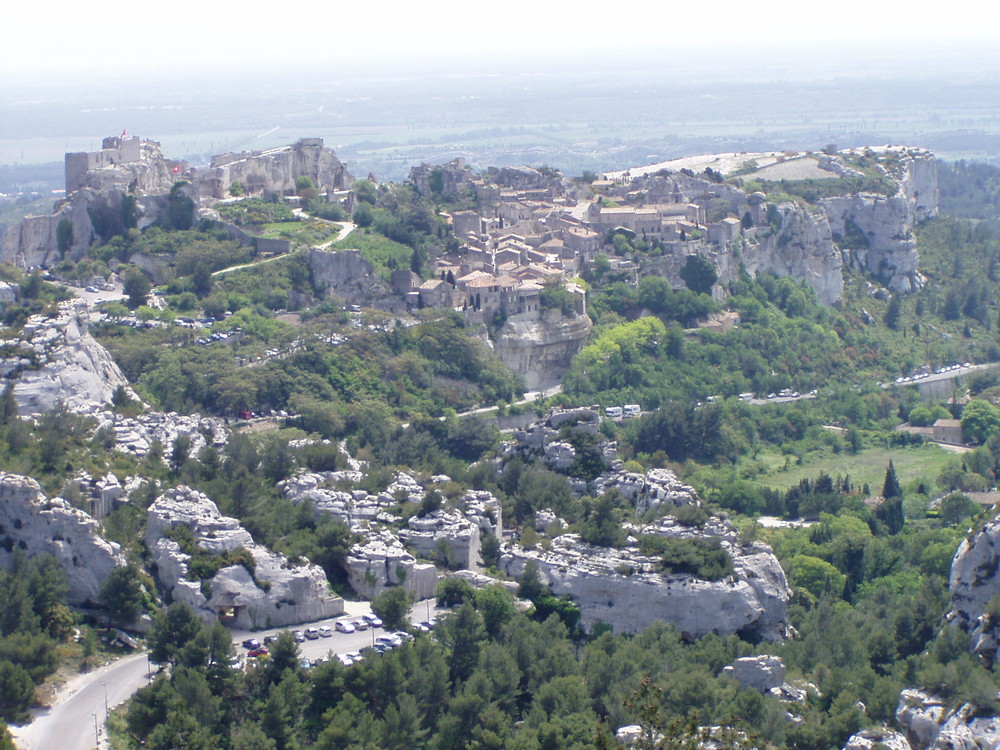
<point>69,723</point>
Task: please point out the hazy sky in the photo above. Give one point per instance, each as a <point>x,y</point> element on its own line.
<point>71,36</point>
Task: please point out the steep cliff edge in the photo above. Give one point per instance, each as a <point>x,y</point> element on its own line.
<point>540,349</point>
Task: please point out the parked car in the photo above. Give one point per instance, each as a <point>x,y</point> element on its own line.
<point>312,634</point>
<point>360,624</point>
<point>251,643</point>
<point>270,639</point>
<point>300,637</point>
<point>374,620</point>
<point>325,631</point>
<point>343,626</point>
<point>258,653</point>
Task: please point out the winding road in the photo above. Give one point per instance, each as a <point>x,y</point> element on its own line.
<point>76,718</point>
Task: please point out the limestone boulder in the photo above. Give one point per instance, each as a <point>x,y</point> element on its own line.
<point>36,525</point>
<point>868,739</point>
<point>761,673</point>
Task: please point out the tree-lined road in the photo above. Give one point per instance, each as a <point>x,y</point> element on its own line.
<point>68,724</point>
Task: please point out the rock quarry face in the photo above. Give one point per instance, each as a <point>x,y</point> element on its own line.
<point>381,561</point>
<point>290,594</point>
<point>973,583</point>
<point>540,350</point>
<point>57,360</point>
<point>345,274</point>
<point>930,725</point>
<point>37,525</point>
<point>622,588</point>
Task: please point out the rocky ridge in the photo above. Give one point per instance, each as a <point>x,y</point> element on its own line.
<point>622,587</point>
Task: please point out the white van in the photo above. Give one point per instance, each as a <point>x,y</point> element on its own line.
<point>613,412</point>
<point>632,410</point>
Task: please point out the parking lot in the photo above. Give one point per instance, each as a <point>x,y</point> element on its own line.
<point>338,643</point>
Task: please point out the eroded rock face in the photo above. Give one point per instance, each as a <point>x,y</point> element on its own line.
<point>655,488</point>
<point>56,360</point>
<point>381,561</point>
<point>37,525</point>
<point>276,170</point>
<point>621,587</point>
<point>346,274</point>
<point>540,351</point>
<point>973,584</point>
<point>930,725</point>
<point>276,592</point>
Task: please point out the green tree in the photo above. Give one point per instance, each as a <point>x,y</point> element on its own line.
<point>121,594</point>
<point>699,274</point>
<point>891,487</point>
<point>173,628</point>
<point>136,286</point>
<point>980,420</point>
<point>893,312</point>
<point>393,606</point>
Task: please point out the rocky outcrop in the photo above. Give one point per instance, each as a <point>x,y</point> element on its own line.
<point>276,170</point>
<point>540,350</point>
<point>623,588</point>
<point>870,739</point>
<point>270,592</point>
<point>56,360</point>
<point>137,435</point>
<point>34,525</point>
<point>930,725</point>
<point>382,561</point>
<point>802,247</point>
<point>653,490</point>
<point>450,536</point>
<point>345,274</point>
<point>973,584</point>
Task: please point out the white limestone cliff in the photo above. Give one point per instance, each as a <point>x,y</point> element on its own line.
<point>56,360</point>
<point>540,350</point>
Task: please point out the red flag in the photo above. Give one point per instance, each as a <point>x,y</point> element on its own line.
<point>177,169</point>
<point>123,132</point>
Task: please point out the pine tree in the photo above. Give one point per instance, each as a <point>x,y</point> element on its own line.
<point>891,488</point>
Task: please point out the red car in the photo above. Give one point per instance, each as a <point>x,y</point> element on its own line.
<point>258,653</point>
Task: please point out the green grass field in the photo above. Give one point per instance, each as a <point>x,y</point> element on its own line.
<point>867,466</point>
